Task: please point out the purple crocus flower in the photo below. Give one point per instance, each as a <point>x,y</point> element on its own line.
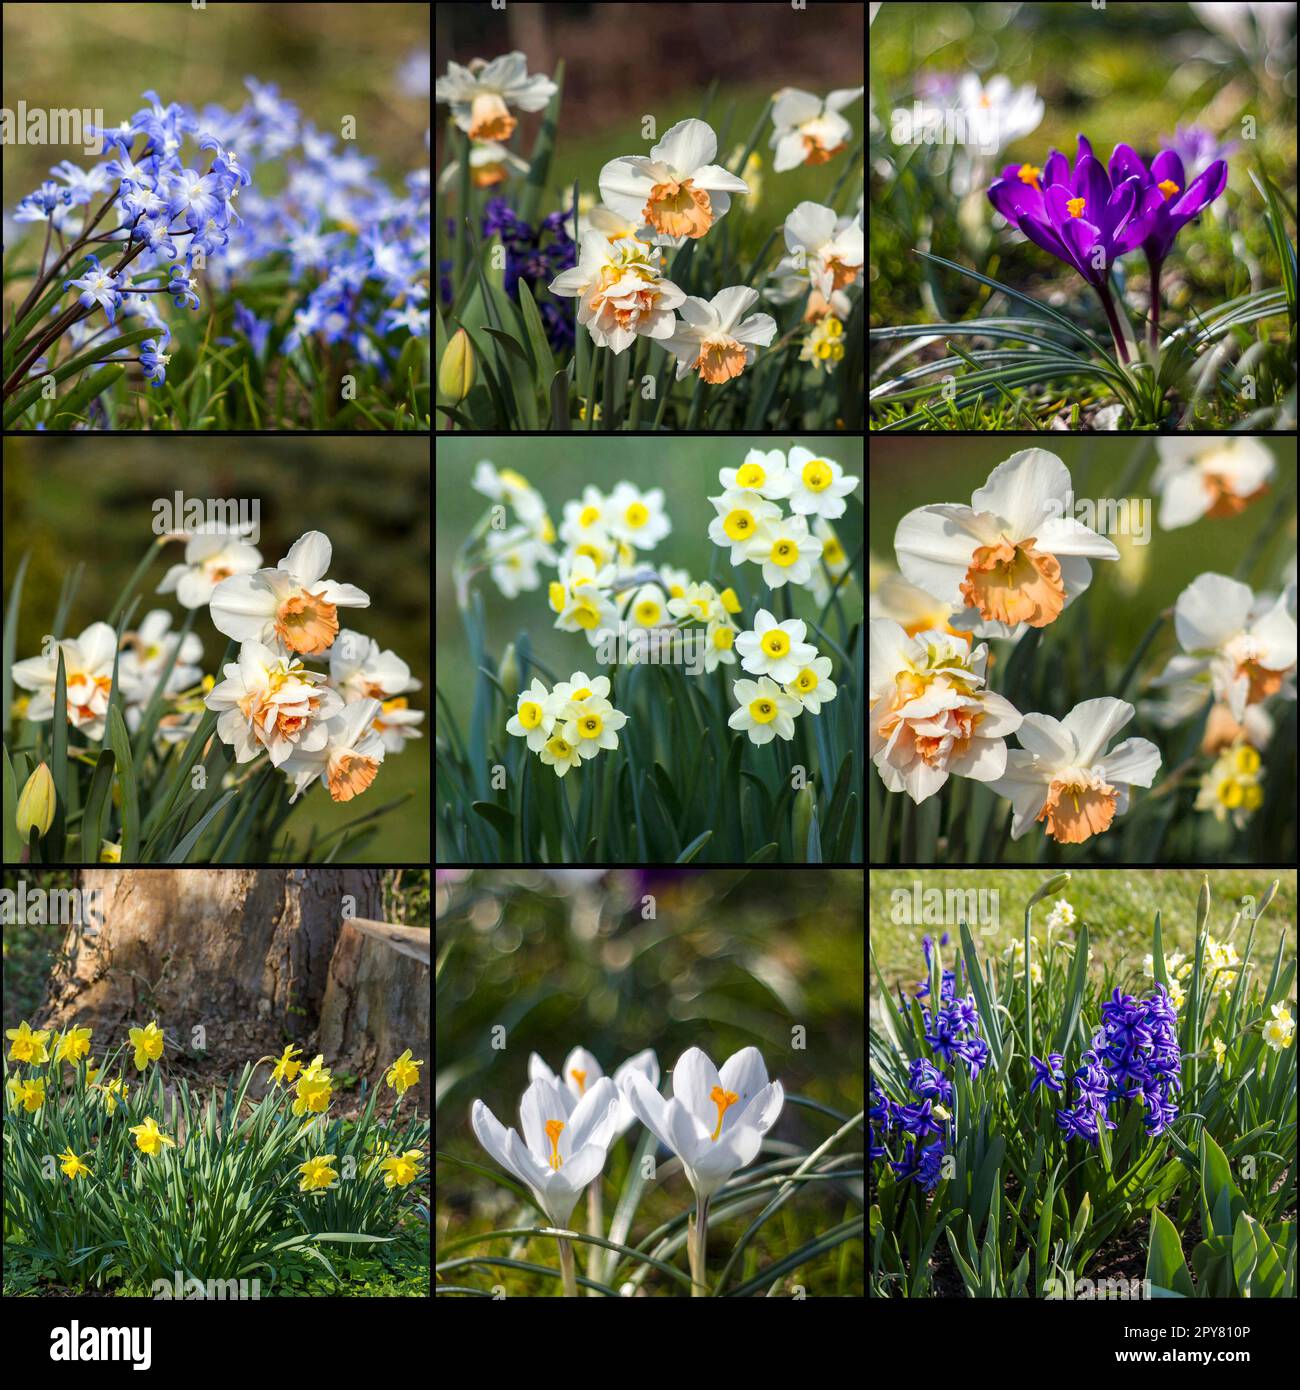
<point>1178,202</point>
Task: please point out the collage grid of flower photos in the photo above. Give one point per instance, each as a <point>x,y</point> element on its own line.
<point>654,652</point>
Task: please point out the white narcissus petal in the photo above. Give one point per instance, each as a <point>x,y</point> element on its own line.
<point>308,558</point>
<point>1064,535</point>
<point>1024,491</point>
<point>1277,632</point>
<point>688,146</point>
<point>1134,762</point>
<point>1094,723</point>
<point>1047,738</point>
<point>985,760</point>
<point>935,545</point>
<point>1210,610</point>
<point>1025,787</point>
<point>1184,499</point>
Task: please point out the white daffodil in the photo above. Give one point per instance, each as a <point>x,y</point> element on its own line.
<point>269,702</point>
<point>512,558</point>
<point>647,606</point>
<point>530,720</point>
<point>395,723</point>
<point>912,608</point>
<point>787,551</point>
<point>481,95</point>
<point>1063,774</point>
<point>350,758</point>
<point>581,1071</point>
<point>678,190</point>
<point>505,485</point>
<point>765,711</point>
<point>812,685</point>
<point>818,486</point>
<point>584,520</point>
<point>581,597</point>
<point>1243,646</point>
<point>930,716</point>
<point>714,338</point>
<point>565,1140</point>
<point>1012,556</point>
<point>719,644</point>
<point>566,701</point>
<point>593,727</point>
<point>809,130</point>
<point>146,652</point>
<point>834,561</point>
<point>775,649</point>
<point>621,292</point>
<point>825,254</point>
<point>292,608</point>
<point>88,673</point>
<point>490,163</point>
<point>359,670</point>
<point>637,517</point>
<point>764,473</point>
<point>699,603</point>
<point>715,1121</point>
<point>1209,477</point>
<point>675,581</point>
<point>210,557</point>
<point>742,518</point>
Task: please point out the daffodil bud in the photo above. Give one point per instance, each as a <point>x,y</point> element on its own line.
<point>456,371</point>
<point>509,672</point>
<point>36,803</point>
<point>802,818</point>
<point>1053,885</point>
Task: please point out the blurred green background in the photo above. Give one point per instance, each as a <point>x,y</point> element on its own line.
<point>90,500</point>
<point>332,60</point>
<point>559,469</point>
<point>730,959</point>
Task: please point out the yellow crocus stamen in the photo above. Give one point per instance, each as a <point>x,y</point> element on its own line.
<point>553,1129</point>
<point>1168,187</point>
<point>1028,174</point>
<point>723,1100</point>
<point>1075,207</point>
<point>581,1078</point>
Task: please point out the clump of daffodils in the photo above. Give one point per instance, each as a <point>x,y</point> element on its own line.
<point>792,678</point>
<point>569,725</point>
<point>1230,787</point>
<point>824,345</point>
<point>1279,1031</point>
<point>1061,915</point>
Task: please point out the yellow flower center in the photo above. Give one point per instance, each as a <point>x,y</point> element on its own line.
<point>554,1128</point>
<point>776,642</point>
<point>806,680</point>
<point>555,593</point>
<point>833,551</point>
<point>586,614</point>
<point>724,1100</point>
<point>762,711</point>
<point>589,726</point>
<point>530,714</point>
<point>1028,174</point>
<point>589,516</point>
<point>739,525</point>
<point>636,516</point>
<point>724,638</point>
<point>751,476</point>
<point>784,553</point>
<point>647,612</point>
<point>1076,206</point>
<point>583,694</point>
<point>558,747</point>
<point>1168,187</point>
<point>816,475</point>
<point>1231,793</point>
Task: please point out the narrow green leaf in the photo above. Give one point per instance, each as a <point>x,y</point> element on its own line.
<point>121,745</point>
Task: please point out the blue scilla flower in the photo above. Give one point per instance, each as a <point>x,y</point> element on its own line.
<point>181,289</point>
<point>97,287</point>
<point>154,361</point>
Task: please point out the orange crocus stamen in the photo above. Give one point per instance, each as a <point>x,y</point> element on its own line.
<point>553,1130</point>
<point>723,1100</point>
<point>581,1078</point>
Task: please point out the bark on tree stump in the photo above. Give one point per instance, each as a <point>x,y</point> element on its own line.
<point>376,1002</point>
<point>244,952</point>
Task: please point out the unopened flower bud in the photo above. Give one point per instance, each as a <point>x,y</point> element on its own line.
<point>36,803</point>
<point>508,674</point>
<point>456,371</point>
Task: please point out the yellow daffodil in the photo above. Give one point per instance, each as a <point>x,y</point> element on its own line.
<point>1220,1051</point>
<point>72,1165</point>
<point>26,1045</point>
<point>92,1071</point>
<point>316,1172</point>
<point>114,1091</point>
<point>401,1169</point>
<point>72,1045</point>
<point>314,1088</point>
<point>28,1093</point>
<point>148,1044</point>
<point>1279,1031</point>
<point>404,1073</point>
<point>286,1068</point>
<point>149,1138</point>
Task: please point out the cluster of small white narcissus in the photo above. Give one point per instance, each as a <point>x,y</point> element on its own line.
<point>675,194</point>
<point>1015,559</point>
<point>569,724</point>
<point>335,726</point>
<point>792,678</point>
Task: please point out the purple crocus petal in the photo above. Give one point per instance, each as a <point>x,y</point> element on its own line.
<point>1203,191</point>
<point>1120,207</point>
<point>1143,223</point>
<point>1056,170</point>
<point>1084,151</point>
<point>1092,183</point>
<point>1083,238</point>
<point>1167,167</point>
<point>1015,200</point>
<point>1125,164</point>
<point>1043,234</point>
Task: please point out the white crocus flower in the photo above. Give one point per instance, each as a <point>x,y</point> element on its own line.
<point>714,338</point>
<point>787,550</point>
<point>293,607</point>
<point>210,557</point>
<point>1012,556</point>
<point>818,486</point>
<point>775,649</point>
<point>1064,775</point>
<point>480,95</point>
<point>808,129</point>
<point>349,761</point>
<point>581,1071</point>
<point>715,1121</point>
<point>678,190</point>
<point>147,651</point>
<point>87,670</point>
<point>930,715</point>
<point>766,711</point>
<point>565,1140</point>
<point>621,291</point>
<point>996,113</point>
<point>269,702</point>
<point>1246,646</point>
<point>1213,477</point>
<point>825,255</point>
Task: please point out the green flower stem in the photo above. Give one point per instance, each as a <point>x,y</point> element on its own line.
<point>595,1224</point>
<point>567,1270</point>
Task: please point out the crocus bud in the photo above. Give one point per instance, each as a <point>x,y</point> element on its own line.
<point>36,804</point>
<point>508,674</point>
<point>456,371</point>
